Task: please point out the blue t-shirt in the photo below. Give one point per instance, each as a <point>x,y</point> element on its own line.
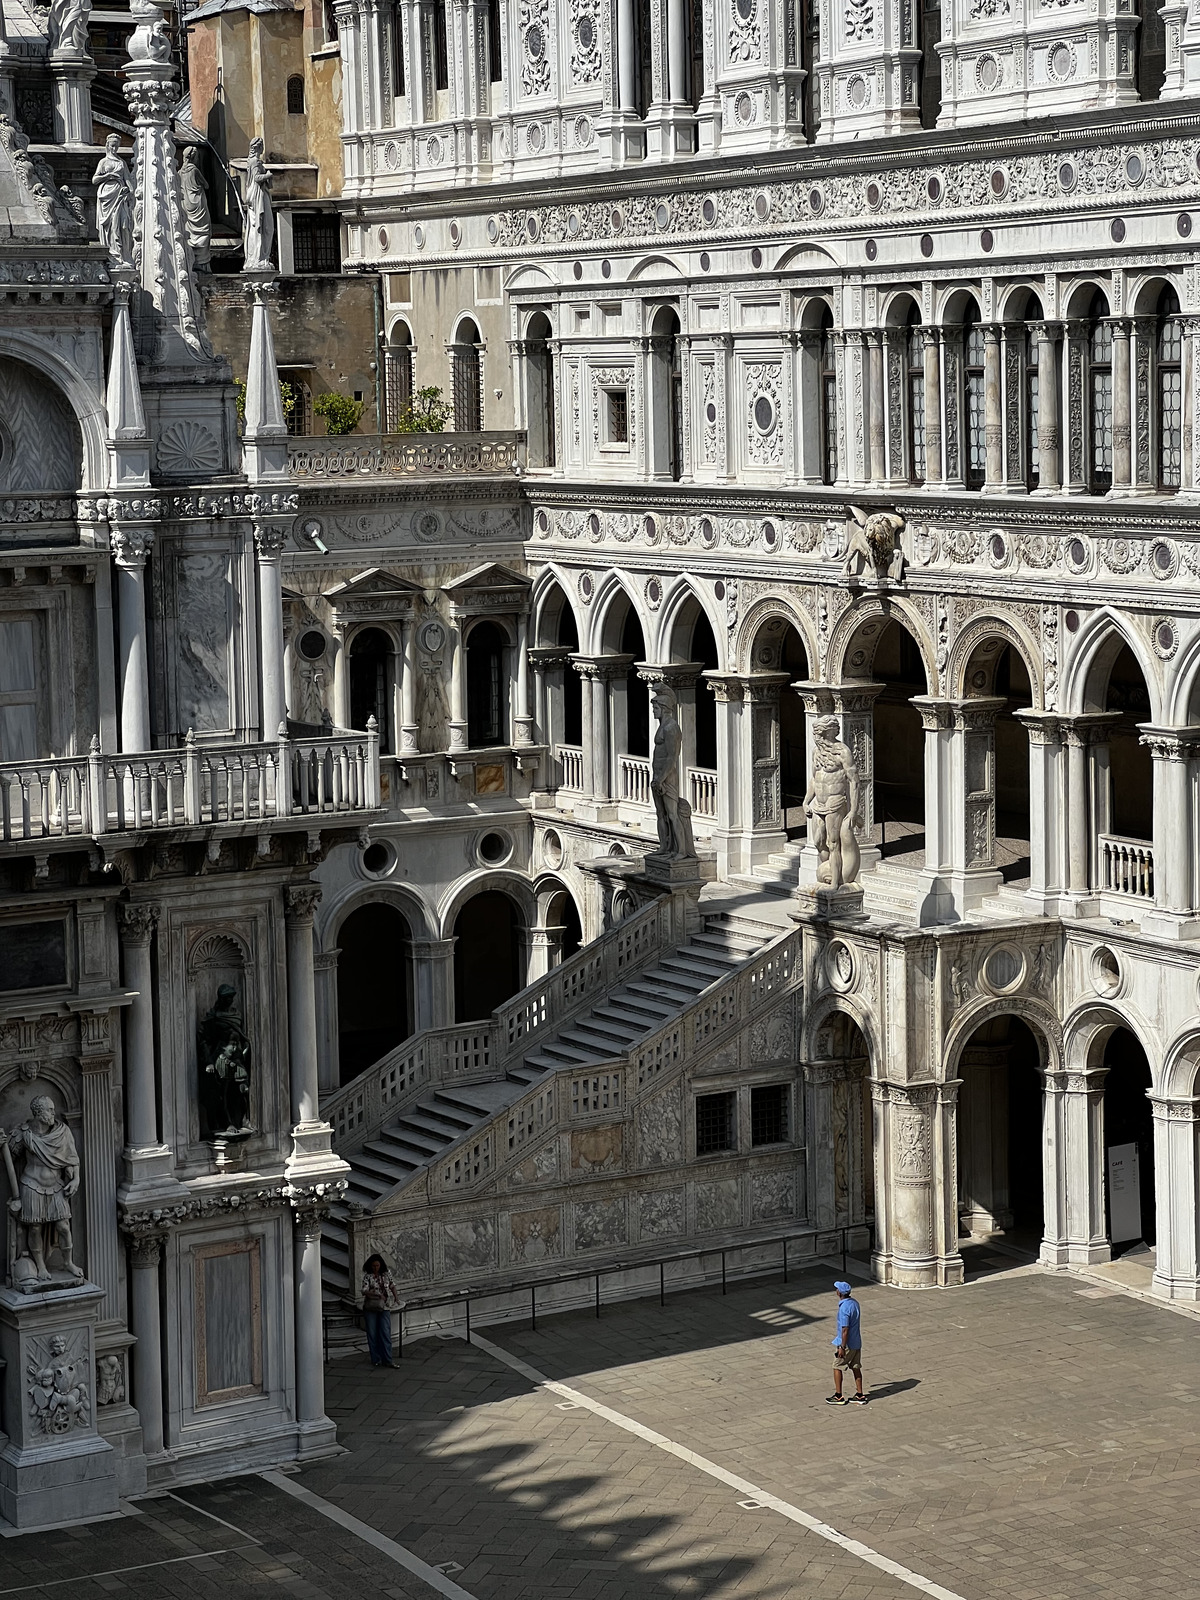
<point>849,1332</point>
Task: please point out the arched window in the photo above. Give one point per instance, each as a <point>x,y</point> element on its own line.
<point>441,58</point>
<point>397,33</point>
<point>1100,395</point>
<point>466,374</point>
<point>295,96</point>
<point>495,53</point>
<point>666,389</point>
<point>914,361</point>
<point>371,683</point>
<point>1170,391</point>
<point>973,403</point>
<point>398,376</point>
<point>829,401</point>
<point>487,686</point>
<point>1029,357</point>
<point>539,374</point>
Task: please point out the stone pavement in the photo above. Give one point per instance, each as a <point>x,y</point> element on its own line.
<point>1031,1435</point>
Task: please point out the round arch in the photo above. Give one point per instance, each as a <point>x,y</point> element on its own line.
<point>993,625</point>
<point>503,879</point>
<point>763,611</point>
<point>859,628</point>
<point>375,988</point>
<point>655,269</point>
<point>899,306</point>
<point>814,309</point>
<point>1079,296</point>
<point>490,919</point>
<point>87,408</point>
<point>1015,302</point>
<point>1180,1076</point>
<point>400,333</point>
<point>1038,1017</point>
<point>808,255</point>
<point>1087,1028</point>
<point>956,305</point>
<point>823,1016</point>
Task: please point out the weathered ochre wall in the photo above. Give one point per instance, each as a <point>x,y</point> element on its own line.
<point>439,299</point>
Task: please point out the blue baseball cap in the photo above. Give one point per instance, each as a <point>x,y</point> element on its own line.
<point>842,1288</point>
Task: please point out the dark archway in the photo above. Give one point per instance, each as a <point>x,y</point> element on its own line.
<point>849,1118</point>
<point>1129,1205</point>
<point>374,986</point>
<point>899,739</point>
<point>489,957</point>
<point>562,920</point>
<point>637,690</point>
<point>997,669</point>
<point>1131,766</point>
<point>1000,1129</point>
<point>487,687</point>
<point>371,683</point>
<point>572,683</point>
<point>540,391</point>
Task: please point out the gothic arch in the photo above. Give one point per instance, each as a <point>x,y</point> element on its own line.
<point>763,611</point>
<point>1104,631</point>
<point>992,625</point>
<point>615,587</point>
<point>858,629</point>
<point>546,585</point>
<point>685,593</point>
<point>1181,698</point>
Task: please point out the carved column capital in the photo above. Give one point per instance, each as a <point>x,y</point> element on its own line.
<point>270,540</point>
<point>302,900</point>
<point>138,921</point>
<point>131,547</point>
<point>145,1249</point>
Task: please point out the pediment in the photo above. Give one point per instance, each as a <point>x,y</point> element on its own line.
<point>375,592</point>
<point>490,576</point>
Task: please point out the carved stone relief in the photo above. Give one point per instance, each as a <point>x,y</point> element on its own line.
<point>718,1205</point>
<point>599,1223</point>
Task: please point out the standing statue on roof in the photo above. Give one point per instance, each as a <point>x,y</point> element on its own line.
<point>258,219</point>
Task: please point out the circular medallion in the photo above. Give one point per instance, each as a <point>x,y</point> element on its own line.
<point>926,244</point>
<point>1116,230</point>
<point>871,249</point>
<point>986,242</point>
<point>756,257</point>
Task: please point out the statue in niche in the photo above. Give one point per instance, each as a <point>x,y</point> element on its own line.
<point>672,813</point>
<point>41,1198</point>
<point>258,219</point>
<point>114,204</point>
<point>197,216</point>
<point>110,1381</point>
<point>833,806</point>
<point>67,28</point>
<point>224,1055</point>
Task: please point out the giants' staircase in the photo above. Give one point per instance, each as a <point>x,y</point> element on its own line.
<point>403,1146</point>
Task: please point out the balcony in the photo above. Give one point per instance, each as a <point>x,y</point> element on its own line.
<point>1126,867</point>
<point>407,455</point>
<point>310,780</point>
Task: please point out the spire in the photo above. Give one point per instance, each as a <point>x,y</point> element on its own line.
<point>163,258</point>
<point>128,443</point>
<point>265,432</point>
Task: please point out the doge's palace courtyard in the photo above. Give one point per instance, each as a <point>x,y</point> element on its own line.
<point>1031,1436</point>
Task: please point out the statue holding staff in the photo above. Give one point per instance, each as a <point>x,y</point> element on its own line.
<point>41,1199</point>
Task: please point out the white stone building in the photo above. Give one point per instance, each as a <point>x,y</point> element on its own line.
<point>696,283</point>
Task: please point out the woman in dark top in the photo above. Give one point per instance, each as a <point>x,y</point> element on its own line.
<point>378,1297</point>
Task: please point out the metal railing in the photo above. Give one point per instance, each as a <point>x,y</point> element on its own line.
<point>821,1238</point>
<point>702,791</point>
<point>405,455</point>
<point>201,784</point>
<point>478,1051</point>
<point>634,774</point>
<point>1126,867</point>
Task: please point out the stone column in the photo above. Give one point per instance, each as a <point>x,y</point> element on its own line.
<point>325,982</point>
<point>1174,752</point>
<point>71,72</point>
<point>727,689</point>
<point>1015,408</point>
<point>522,721</point>
<point>937,720</point>
<point>917,1244</point>
<point>626,57</point>
<point>933,405</point>
<point>138,922</point>
<point>458,689</point>
<point>145,1255</point>
<point>993,414</point>
<point>954,421</point>
<point>1176,1173</point>
<point>1076,464</point>
<point>877,468</point>
<point>1073,1176</point>
<point>1047,808</point>
<point>310,1355</point>
<point>409,728</point>
<point>311,1136</point>
<point>763,816</point>
<point>1144,444</point>
<point>1122,414</point>
<point>1086,741</point>
<point>972,800</point>
<point>99,1170</point>
<point>1049,458</point>
<point>433,983</point>
<point>131,549</point>
<point>270,541</point>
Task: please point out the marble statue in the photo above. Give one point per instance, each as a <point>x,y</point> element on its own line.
<point>258,219</point>
<point>41,1200</point>
<point>672,813</point>
<point>833,806</point>
<point>110,1381</point>
<point>114,203</point>
<point>874,545</point>
<point>196,211</point>
<point>67,28</point>
<point>150,40</point>
<point>224,1055</point>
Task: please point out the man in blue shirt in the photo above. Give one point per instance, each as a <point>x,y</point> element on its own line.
<point>847,1347</point>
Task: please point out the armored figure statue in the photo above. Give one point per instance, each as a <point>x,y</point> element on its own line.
<point>196,212</point>
<point>67,28</point>
<point>114,204</point>
<point>673,814</point>
<point>833,805</point>
<point>224,1055</point>
<point>258,219</point>
<point>41,1199</point>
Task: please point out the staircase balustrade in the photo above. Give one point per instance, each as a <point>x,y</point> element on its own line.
<point>477,1052</point>
<point>201,784</point>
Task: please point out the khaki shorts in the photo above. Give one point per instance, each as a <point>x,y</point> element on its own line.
<point>850,1361</point>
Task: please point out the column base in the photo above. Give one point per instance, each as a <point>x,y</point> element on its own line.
<point>621,138</point>
<point>929,1272</point>
<point>589,810</point>
<point>1171,924</point>
<point>312,1156</point>
<point>317,1440</point>
<point>1170,1288</point>
<point>937,904</point>
<point>670,132</point>
<point>971,888</point>
<point>150,1175</point>
<point>1065,1254</point>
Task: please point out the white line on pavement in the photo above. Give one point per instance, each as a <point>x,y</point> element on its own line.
<point>855,1547</point>
<point>362,1530</point>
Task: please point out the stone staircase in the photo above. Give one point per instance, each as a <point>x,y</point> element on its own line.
<point>405,1146</point>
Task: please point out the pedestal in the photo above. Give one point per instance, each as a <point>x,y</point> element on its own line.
<point>817,900</point>
<point>55,1467</point>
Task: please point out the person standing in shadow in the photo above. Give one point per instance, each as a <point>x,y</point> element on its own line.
<point>378,1296</point>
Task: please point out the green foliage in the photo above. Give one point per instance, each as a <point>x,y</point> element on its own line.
<point>426,412</point>
<point>342,415</point>
<point>288,398</point>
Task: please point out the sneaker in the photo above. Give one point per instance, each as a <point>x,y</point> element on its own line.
<point>860,1399</point>
<point>835,1400</point>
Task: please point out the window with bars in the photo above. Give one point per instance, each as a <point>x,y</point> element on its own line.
<point>1170,392</point>
<point>616,416</point>
<point>714,1123</point>
<point>297,409</point>
<point>829,403</point>
<point>769,1114</point>
<point>1032,475</point>
<point>973,401</point>
<point>1100,396</point>
<point>467,374</point>
<point>398,382</point>
<point>295,96</point>
<point>914,356</point>
<point>316,243</point>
